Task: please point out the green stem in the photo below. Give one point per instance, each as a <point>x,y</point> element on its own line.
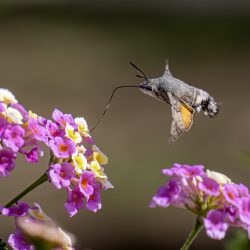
<point>193,234</point>
<point>35,184</point>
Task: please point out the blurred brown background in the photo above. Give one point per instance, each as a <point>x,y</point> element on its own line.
<point>71,54</point>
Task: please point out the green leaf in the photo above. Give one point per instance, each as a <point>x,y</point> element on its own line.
<point>238,241</point>
<point>3,245</point>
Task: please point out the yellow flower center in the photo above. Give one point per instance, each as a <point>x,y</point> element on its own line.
<point>62,147</point>
<point>84,183</point>
<point>230,195</point>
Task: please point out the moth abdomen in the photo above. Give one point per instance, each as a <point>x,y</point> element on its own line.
<point>210,107</point>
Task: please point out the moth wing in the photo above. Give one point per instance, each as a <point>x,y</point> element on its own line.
<point>182,118</point>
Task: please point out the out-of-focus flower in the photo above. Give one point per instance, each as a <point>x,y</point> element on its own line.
<point>210,195</point>
<point>16,210</point>
<point>215,224</point>
<point>36,229</point>
<point>18,242</point>
<point>218,177</point>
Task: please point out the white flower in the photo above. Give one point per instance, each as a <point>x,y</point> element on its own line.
<point>99,156</point>
<point>218,177</point>
<point>80,162</point>
<point>82,126</point>
<point>13,115</point>
<point>36,225</point>
<point>7,97</point>
<point>71,134</point>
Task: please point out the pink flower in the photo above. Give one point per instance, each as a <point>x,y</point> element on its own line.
<point>1,107</point>
<point>61,174</point>
<point>20,209</point>
<point>209,195</point>
<point>63,119</point>
<point>62,148</point>
<point>32,155</point>
<point>13,137</point>
<point>184,170</point>
<point>94,202</point>
<point>18,242</point>
<point>86,183</point>
<point>209,186</point>
<point>231,194</point>
<point>21,109</point>
<point>245,210</point>
<point>215,224</point>
<point>166,194</point>
<point>74,202</point>
<point>52,129</point>
<point>7,162</point>
<point>38,130</point>
<point>35,229</point>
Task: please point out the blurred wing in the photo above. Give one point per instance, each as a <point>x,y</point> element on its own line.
<point>182,118</point>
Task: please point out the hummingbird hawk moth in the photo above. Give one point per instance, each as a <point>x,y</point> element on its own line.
<point>183,98</point>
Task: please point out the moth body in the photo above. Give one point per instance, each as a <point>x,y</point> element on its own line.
<point>183,98</point>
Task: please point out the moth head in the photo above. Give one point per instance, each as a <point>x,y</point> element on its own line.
<point>147,87</point>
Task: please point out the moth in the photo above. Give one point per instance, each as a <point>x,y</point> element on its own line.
<point>183,98</point>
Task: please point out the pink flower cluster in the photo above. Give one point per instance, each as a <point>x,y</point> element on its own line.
<point>210,195</point>
<point>76,163</point>
<point>34,226</point>
<point>15,135</point>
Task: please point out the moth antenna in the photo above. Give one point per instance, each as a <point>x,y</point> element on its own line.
<point>109,102</point>
<point>142,77</point>
<point>138,69</point>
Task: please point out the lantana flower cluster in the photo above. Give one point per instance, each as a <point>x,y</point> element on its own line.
<point>212,196</point>
<point>35,228</point>
<point>76,163</point>
<point>15,135</point>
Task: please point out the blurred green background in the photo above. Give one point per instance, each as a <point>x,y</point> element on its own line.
<point>71,55</point>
